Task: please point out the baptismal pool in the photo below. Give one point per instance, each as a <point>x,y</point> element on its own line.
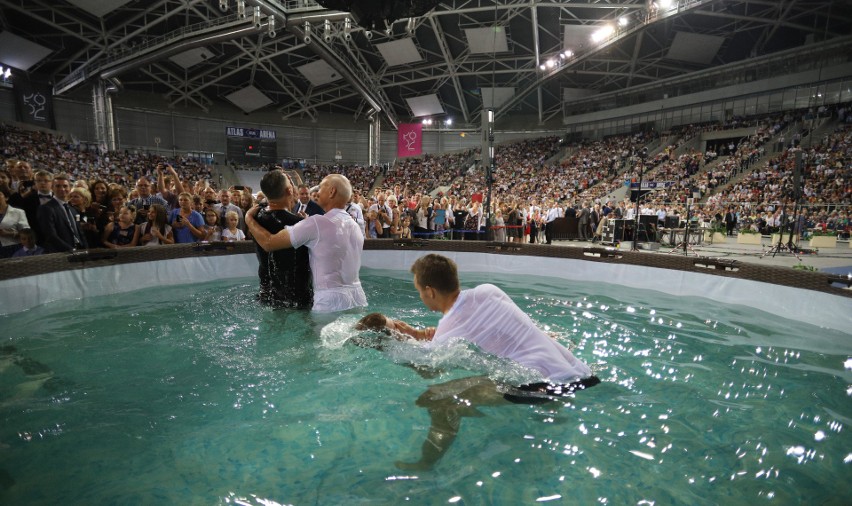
<point>196,395</point>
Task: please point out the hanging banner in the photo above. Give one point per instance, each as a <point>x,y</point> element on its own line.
<point>34,103</point>
<point>410,140</point>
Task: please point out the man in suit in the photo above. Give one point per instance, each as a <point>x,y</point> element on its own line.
<point>31,195</point>
<point>304,204</point>
<point>730,221</point>
<point>58,221</point>
<point>583,225</point>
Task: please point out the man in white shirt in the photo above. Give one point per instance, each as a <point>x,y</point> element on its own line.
<point>335,242</point>
<point>487,317</point>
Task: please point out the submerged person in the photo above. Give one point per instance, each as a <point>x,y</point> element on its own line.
<point>285,274</point>
<point>335,242</point>
<point>487,317</point>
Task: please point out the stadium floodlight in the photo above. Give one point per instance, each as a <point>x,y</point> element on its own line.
<point>223,5</point>
<point>347,29</point>
<point>241,9</point>
<point>271,27</point>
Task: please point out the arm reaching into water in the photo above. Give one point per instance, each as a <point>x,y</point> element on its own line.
<point>398,328</point>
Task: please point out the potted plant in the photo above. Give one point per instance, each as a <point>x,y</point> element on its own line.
<point>748,235</point>
<point>823,239</point>
<point>715,234</point>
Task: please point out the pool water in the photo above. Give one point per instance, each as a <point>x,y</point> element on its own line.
<point>196,395</point>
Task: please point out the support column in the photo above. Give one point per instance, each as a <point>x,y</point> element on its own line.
<point>375,141</point>
<point>103,115</point>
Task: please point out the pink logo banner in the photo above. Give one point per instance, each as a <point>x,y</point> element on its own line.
<point>410,141</point>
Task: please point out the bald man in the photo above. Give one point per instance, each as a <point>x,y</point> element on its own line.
<point>335,242</point>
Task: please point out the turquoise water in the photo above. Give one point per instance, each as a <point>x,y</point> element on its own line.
<point>195,395</point>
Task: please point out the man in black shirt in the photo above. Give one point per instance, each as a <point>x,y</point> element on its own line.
<point>285,274</point>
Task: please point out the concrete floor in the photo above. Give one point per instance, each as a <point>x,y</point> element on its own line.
<point>834,260</point>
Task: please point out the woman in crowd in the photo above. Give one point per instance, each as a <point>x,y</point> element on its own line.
<point>372,227</point>
<point>499,225</point>
<point>87,214</point>
<point>100,194</point>
<point>12,221</point>
<point>123,232</point>
<point>395,219</point>
<point>187,223</point>
<point>156,230</point>
<point>422,216</point>
<point>473,221</point>
<point>117,198</point>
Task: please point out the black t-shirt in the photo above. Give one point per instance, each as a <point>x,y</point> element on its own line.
<point>459,216</point>
<point>285,275</point>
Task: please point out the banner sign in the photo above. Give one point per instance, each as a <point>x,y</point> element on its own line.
<point>410,140</point>
<point>652,185</point>
<point>34,103</point>
<point>252,133</point>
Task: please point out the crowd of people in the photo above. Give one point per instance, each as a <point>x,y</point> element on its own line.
<point>129,199</point>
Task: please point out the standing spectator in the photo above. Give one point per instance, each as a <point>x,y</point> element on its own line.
<point>187,223</point>
<point>212,230</point>
<point>230,232</point>
<point>225,206</point>
<point>156,230</point>
<point>305,205</point>
<point>144,199</point>
<point>80,200</point>
<point>57,220</point>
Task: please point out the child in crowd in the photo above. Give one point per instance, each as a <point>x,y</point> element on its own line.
<point>28,244</point>
<point>439,218</point>
<point>156,231</point>
<point>405,231</point>
<point>122,233</point>
<point>212,230</point>
<point>231,232</point>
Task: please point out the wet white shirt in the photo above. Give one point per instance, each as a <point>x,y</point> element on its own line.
<point>335,242</point>
<point>487,317</point>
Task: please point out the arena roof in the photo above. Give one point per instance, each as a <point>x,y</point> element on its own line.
<point>525,57</point>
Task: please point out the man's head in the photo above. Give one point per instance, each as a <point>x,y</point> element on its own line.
<point>334,192</point>
<point>143,186</point>
<point>43,181</point>
<point>304,193</point>
<point>61,186</point>
<point>225,197</point>
<point>275,185</point>
<point>436,277</point>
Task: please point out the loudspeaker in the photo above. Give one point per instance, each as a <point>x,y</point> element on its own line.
<point>671,222</point>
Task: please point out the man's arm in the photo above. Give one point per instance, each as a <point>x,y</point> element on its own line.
<point>266,240</point>
<point>424,334</point>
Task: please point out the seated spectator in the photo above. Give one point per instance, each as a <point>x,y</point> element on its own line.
<point>156,230</point>
<point>28,244</point>
<point>122,233</point>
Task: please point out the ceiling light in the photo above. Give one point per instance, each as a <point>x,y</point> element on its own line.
<point>623,21</point>
<point>602,33</point>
